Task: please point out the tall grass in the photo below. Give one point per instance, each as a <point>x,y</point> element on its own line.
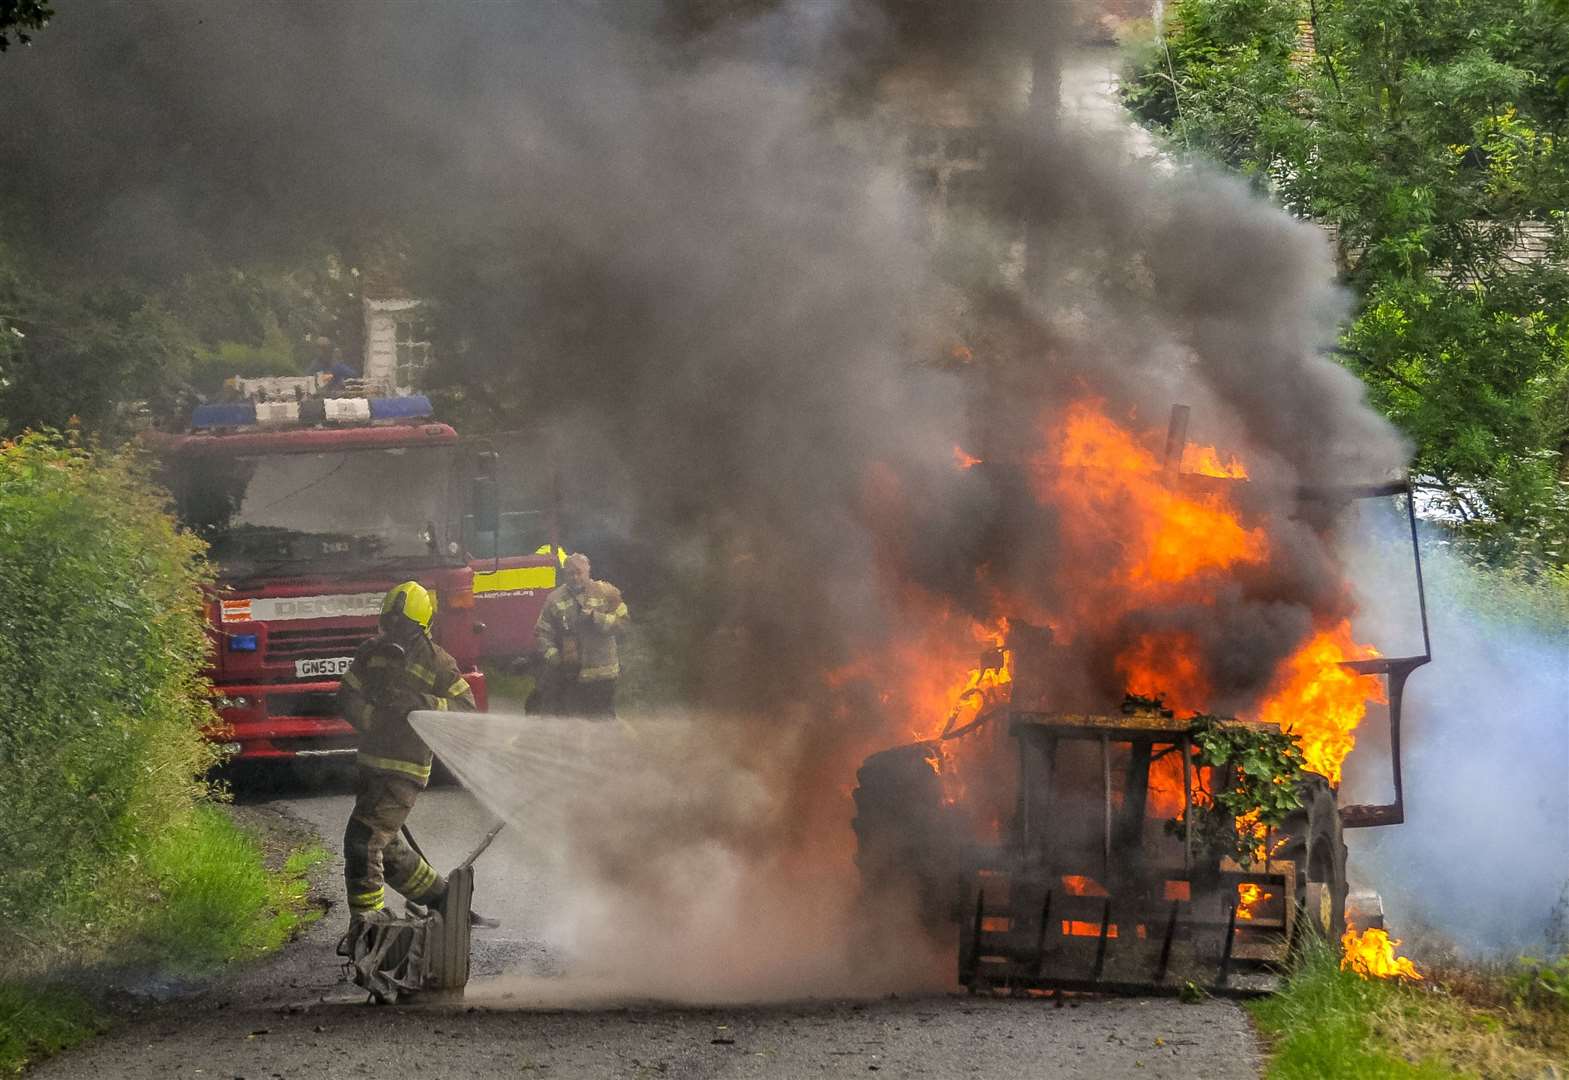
<point>201,897</point>
<point>1328,1024</point>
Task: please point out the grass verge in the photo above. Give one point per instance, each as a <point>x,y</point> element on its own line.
<point>1327,1023</point>
<point>37,1020</point>
<point>199,896</point>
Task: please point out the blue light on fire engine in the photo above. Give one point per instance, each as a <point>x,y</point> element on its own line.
<point>400,408</point>
<point>239,414</point>
<point>225,414</point>
<point>242,642</point>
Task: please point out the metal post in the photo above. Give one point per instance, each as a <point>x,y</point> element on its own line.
<point>1040,935</point>
<point>1177,437</point>
<point>1105,761</point>
<point>1165,947</point>
<point>974,957</point>
<point>1025,801</point>
<point>1421,589</point>
<point>1187,808</point>
<point>1100,948</point>
<point>1231,933</point>
<point>1047,793</point>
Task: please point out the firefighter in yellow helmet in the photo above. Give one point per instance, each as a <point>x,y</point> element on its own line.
<point>399,670</point>
<point>577,631</point>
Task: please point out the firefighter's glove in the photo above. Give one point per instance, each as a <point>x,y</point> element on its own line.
<point>401,701</point>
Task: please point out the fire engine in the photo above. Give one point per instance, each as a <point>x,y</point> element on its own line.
<point>312,509</point>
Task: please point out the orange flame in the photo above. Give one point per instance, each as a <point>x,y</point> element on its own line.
<point>983,689</point>
<point>965,460</point>
<point>1371,954</point>
<point>1166,666</point>
<point>1249,897</point>
<point>1079,885</point>
<point>1175,535</point>
<point>1205,461</point>
<point>1320,701</point>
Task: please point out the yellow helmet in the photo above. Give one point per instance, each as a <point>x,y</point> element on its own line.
<point>411,600</point>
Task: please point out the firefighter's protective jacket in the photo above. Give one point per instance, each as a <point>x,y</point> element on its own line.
<point>379,691</point>
<point>578,630</point>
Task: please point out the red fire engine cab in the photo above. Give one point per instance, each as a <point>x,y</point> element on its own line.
<point>312,509</point>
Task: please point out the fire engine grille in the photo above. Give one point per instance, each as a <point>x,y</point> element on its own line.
<point>307,704</point>
<point>331,746</point>
<point>286,645</point>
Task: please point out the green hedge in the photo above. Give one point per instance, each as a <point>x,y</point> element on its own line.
<point>102,644</point>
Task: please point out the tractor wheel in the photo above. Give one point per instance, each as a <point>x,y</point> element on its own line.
<point>1316,844</point>
<point>906,840</point>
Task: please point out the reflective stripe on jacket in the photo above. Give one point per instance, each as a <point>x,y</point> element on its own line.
<point>578,630</point>
<point>378,693</point>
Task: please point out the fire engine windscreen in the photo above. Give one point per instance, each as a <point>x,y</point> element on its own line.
<point>340,510</point>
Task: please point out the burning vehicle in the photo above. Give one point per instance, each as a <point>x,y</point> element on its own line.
<point>1106,805</point>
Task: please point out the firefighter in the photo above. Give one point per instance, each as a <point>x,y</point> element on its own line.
<point>399,670</point>
<point>577,635</point>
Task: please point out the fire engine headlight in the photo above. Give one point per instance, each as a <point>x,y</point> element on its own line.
<point>229,749</point>
<point>242,642</point>
<point>240,702</point>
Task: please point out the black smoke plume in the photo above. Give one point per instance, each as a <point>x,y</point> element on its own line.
<point>688,236</point>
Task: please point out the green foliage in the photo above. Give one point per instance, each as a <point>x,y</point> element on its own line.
<point>1507,599</point>
<point>17,17</point>
<point>269,321</point>
<point>102,697</point>
<point>1538,984</point>
<point>1430,137</point>
<point>1140,703</point>
<point>213,899</point>
<point>1254,772</point>
<point>75,346</point>
<point>1330,1023</point>
<point>70,354</point>
<point>199,897</point>
<point>37,1020</point>
<point>1322,1026</point>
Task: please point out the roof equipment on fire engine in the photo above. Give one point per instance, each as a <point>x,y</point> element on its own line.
<point>242,414</point>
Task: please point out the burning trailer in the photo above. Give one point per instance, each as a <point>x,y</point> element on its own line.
<point>1069,841</point>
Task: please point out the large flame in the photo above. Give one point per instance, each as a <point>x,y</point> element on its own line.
<point>1166,535</point>
<point>1321,701</point>
<point>1166,666</point>
<point>1371,954</point>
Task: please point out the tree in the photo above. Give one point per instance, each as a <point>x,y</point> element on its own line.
<point>17,17</point>
<point>1428,136</point>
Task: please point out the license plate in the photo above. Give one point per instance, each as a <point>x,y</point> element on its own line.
<point>329,666</point>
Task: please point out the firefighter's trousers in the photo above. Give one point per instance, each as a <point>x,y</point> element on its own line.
<point>382,802</point>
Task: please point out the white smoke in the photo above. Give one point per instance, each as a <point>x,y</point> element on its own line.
<point>1483,856</point>
<point>653,849</point>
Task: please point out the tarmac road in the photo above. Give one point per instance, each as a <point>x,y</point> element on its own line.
<point>293,1018</point>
